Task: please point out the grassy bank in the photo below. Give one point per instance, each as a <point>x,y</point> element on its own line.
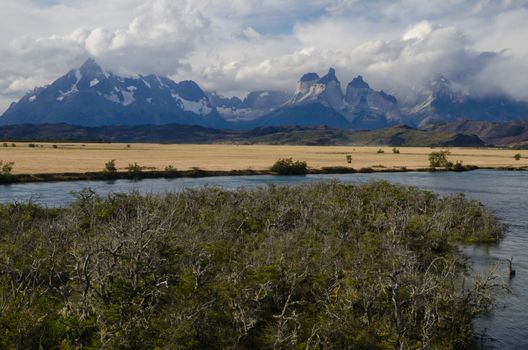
<point>322,266</point>
<point>197,173</point>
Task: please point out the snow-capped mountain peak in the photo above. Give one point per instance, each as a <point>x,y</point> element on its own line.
<point>329,77</point>
<point>255,105</point>
<point>91,68</point>
<point>359,83</point>
<point>310,77</point>
<point>326,90</point>
<point>91,96</point>
<point>361,106</point>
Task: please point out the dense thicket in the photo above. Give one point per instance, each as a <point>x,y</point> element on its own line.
<point>322,266</point>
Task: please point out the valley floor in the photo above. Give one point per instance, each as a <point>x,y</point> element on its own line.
<point>46,158</point>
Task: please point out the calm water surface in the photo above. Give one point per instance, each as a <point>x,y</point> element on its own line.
<point>506,193</point>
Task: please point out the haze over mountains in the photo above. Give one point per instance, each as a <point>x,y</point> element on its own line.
<point>91,96</point>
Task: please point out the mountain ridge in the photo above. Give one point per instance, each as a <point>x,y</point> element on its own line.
<point>91,96</point>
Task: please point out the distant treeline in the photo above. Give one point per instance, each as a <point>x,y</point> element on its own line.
<point>324,266</point>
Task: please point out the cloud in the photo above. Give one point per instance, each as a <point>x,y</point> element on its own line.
<point>235,46</point>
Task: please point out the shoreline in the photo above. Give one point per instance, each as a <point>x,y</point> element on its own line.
<point>200,173</point>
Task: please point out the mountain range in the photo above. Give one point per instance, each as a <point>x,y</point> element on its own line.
<point>91,96</point>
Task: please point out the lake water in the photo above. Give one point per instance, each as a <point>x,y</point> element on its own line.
<point>505,192</point>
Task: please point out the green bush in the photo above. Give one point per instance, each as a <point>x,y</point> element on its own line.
<point>517,156</point>
<point>6,168</point>
<point>380,151</point>
<point>134,169</point>
<point>331,266</point>
<point>458,166</point>
<point>439,159</point>
<point>349,158</point>
<point>288,166</point>
<point>110,166</point>
<point>395,150</point>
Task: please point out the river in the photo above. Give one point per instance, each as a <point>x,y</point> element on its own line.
<point>505,192</point>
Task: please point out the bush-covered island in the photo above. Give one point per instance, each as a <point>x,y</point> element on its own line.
<point>325,266</point>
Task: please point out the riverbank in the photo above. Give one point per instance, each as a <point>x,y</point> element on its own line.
<point>201,173</point>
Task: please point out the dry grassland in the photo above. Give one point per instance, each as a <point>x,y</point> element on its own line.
<point>78,158</point>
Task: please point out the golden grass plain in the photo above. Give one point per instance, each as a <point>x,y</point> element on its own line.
<point>80,158</point>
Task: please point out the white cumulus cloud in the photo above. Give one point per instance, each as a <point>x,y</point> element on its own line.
<point>234,46</point>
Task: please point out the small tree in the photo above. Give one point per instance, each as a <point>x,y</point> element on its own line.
<point>6,168</point>
<point>381,151</point>
<point>110,167</point>
<point>517,156</point>
<point>459,166</point>
<point>349,158</point>
<point>395,150</point>
<point>439,159</point>
<point>134,169</point>
<point>287,166</point>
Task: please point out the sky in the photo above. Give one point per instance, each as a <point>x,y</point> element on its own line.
<point>235,46</point>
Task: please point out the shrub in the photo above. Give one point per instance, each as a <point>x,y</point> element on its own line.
<point>110,166</point>
<point>32,145</point>
<point>517,156</point>
<point>395,150</point>
<point>170,168</point>
<point>338,170</point>
<point>349,158</point>
<point>197,172</point>
<point>134,169</point>
<point>5,144</point>
<point>439,159</point>
<point>372,266</point>
<point>6,168</point>
<point>55,146</point>
<point>13,145</point>
<point>380,151</point>
<point>287,166</point>
<point>458,166</point>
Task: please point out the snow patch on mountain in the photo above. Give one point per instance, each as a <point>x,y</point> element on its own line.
<point>255,105</point>
<point>200,107</point>
<point>113,98</point>
<point>146,83</point>
<point>128,97</point>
